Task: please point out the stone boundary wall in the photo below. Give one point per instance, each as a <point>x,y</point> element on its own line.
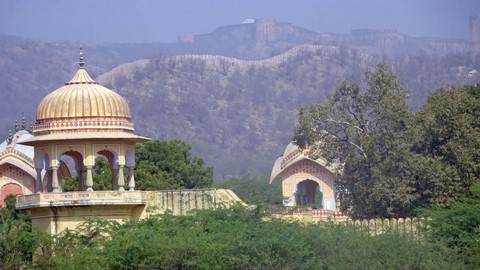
<point>320,50</point>
<point>180,202</point>
<point>323,51</point>
<point>412,226</point>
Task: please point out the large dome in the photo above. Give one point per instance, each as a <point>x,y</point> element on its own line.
<point>82,97</point>
<point>82,109</point>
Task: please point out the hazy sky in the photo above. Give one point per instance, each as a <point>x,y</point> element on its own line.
<point>162,21</point>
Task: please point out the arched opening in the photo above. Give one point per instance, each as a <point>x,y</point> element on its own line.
<point>103,174</point>
<point>9,189</point>
<point>308,193</point>
<point>70,171</point>
<point>46,181</point>
<point>106,179</point>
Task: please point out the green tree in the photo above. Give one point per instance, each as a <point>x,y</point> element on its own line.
<point>366,131</point>
<point>102,174</point>
<point>458,226</point>
<point>238,238</point>
<point>168,165</point>
<point>18,241</point>
<point>449,140</point>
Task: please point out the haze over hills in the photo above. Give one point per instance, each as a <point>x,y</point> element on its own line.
<point>232,94</point>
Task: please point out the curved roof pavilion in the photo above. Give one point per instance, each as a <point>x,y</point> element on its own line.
<point>83,120</point>
<point>304,178</point>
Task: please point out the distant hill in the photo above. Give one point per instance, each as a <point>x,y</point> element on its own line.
<point>240,114</point>
<point>237,114</point>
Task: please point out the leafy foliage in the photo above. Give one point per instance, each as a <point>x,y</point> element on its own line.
<point>458,226</point>
<point>168,165</point>
<point>391,160</point>
<point>366,133</point>
<point>18,242</point>
<point>237,238</point>
<point>449,140</point>
<point>234,238</point>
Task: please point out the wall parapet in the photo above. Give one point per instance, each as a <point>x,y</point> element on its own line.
<point>180,201</point>
<point>80,198</point>
<point>55,212</point>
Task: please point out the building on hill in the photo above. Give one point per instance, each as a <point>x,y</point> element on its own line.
<point>305,181</point>
<point>83,120</point>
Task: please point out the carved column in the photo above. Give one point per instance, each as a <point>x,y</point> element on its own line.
<point>131,179</point>
<point>89,179</point>
<point>121,179</point>
<point>55,179</point>
<point>38,181</point>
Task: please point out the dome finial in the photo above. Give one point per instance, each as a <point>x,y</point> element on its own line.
<point>24,123</point>
<point>82,63</point>
<point>10,136</point>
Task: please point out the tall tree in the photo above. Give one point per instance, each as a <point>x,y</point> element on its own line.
<point>168,165</point>
<point>449,140</point>
<point>365,130</point>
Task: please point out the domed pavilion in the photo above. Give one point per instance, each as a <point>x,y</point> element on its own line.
<point>75,124</point>
<point>83,120</point>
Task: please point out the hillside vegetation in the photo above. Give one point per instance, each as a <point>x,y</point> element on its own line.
<point>237,114</point>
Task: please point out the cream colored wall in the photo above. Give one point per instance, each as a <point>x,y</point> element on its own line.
<point>307,169</point>
<point>67,212</point>
<point>178,202</point>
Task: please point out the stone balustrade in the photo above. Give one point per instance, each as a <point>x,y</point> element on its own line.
<point>80,198</point>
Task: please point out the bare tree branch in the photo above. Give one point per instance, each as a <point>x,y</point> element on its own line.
<point>330,119</point>
<point>349,142</point>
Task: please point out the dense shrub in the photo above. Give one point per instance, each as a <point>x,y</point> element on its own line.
<point>241,239</point>
<point>458,227</point>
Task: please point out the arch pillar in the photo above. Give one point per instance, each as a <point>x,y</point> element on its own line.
<point>89,179</point>
<point>121,178</point>
<point>38,181</point>
<point>131,179</point>
<point>55,187</point>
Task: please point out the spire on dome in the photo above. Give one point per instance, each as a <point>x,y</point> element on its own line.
<point>10,136</point>
<point>81,63</point>
<point>24,123</point>
<point>81,77</point>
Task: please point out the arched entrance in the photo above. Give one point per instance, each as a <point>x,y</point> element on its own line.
<point>71,161</point>
<point>308,193</point>
<point>9,189</point>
